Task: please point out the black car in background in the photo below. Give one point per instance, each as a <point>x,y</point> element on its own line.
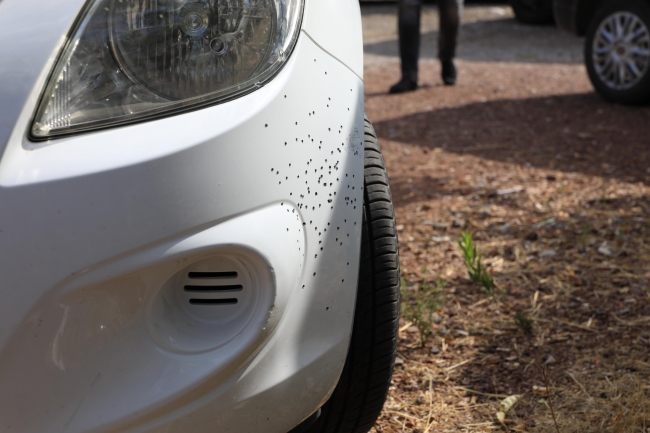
<point>617,44</point>
<point>533,11</point>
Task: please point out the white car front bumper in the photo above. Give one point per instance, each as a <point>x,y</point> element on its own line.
<point>99,233</point>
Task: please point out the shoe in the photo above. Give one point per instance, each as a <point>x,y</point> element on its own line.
<point>449,73</point>
<point>404,85</point>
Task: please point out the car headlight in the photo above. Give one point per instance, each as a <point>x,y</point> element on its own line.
<point>127,60</point>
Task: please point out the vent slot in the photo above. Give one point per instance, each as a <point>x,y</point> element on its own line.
<point>208,289</point>
<point>212,275</point>
<point>227,301</point>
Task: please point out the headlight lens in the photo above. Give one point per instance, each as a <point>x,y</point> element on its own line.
<point>133,59</point>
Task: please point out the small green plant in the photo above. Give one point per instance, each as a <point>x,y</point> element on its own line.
<point>524,323</point>
<point>420,301</point>
<point>475,268</point>
<point>603,199</point>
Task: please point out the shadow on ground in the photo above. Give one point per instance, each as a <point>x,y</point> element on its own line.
<point>571,133</point>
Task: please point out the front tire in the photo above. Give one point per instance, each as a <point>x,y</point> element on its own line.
<point>617,51</point>
<point>533,11</point>
<point>361,391</point>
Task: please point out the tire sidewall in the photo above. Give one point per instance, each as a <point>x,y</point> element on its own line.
<point>638,94</point>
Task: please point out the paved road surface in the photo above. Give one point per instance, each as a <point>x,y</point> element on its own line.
<point>489,34</point>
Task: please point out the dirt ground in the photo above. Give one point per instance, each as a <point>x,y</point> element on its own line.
<point>554,185</point>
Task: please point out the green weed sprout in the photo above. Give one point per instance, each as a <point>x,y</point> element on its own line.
<point>475,268</point>
<point>524,323</point>
<point>421,302</point>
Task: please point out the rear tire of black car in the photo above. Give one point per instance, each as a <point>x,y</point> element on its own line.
<point>361,391</point>
<point>636,91</point>
<point>533,11</point>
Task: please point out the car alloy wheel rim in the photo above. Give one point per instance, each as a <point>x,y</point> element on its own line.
<point>621,50</point>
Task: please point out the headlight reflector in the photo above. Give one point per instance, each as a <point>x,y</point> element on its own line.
<point>134,59</point>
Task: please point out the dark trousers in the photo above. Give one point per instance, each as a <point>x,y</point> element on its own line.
<point>409,33</point>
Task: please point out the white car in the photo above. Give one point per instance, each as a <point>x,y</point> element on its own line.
<point>196,228</point>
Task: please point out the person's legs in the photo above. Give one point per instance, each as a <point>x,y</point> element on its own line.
<point>450,12</point>
<point>409,44</point>
<point>409,37</point>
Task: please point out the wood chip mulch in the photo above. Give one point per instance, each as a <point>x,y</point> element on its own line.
<point>553,183</point>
